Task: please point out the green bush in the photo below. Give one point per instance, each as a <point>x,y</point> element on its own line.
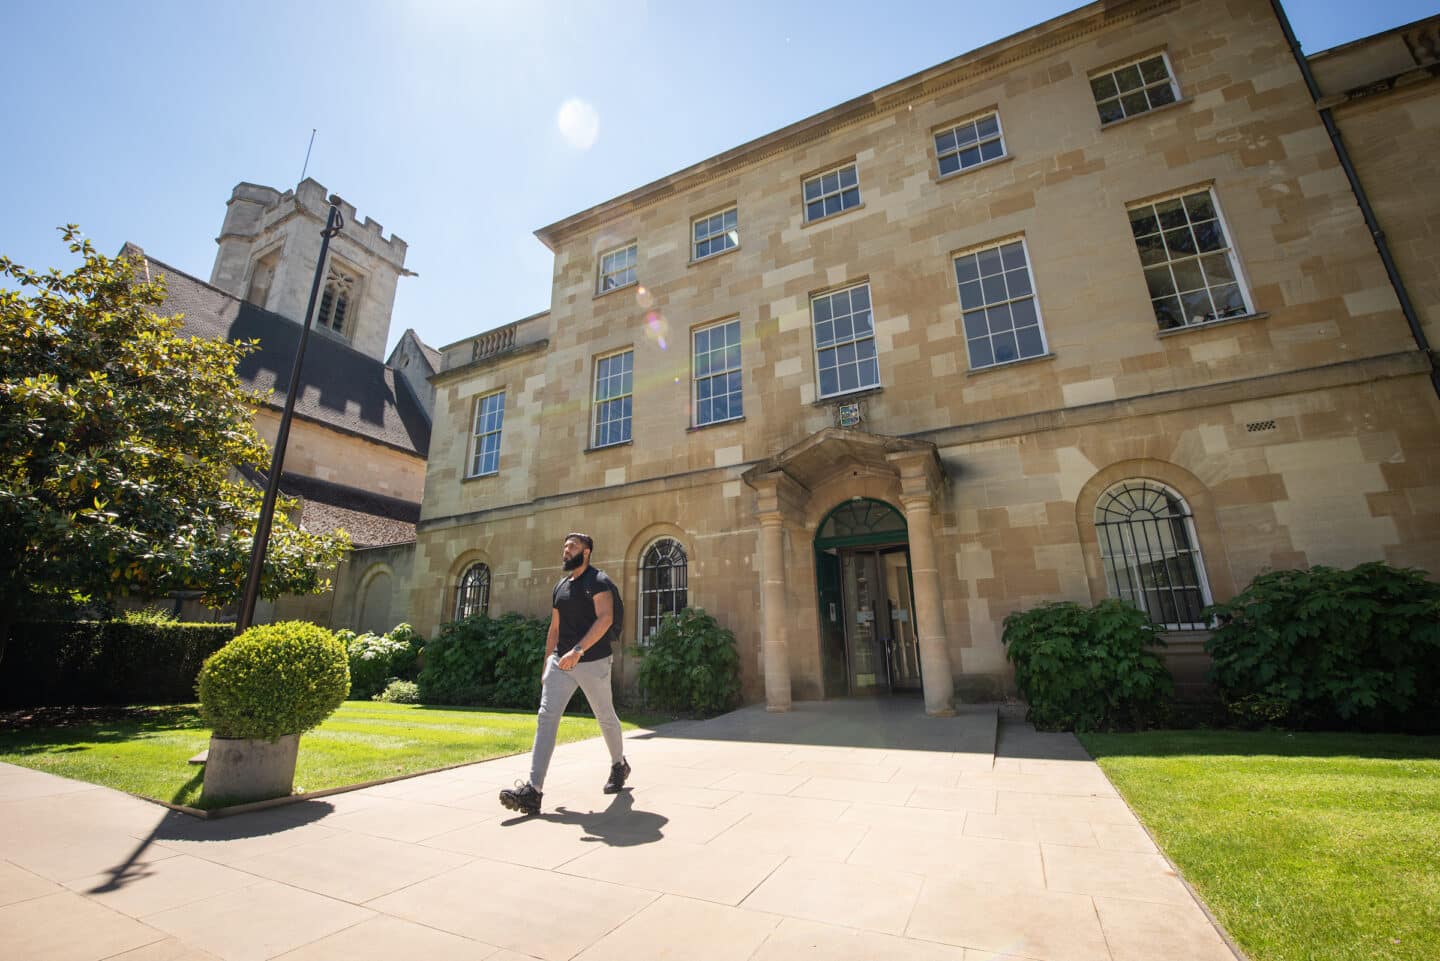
<point>1327,647</point>
<point>1088,669</point>
<point>689,665</point>
<point>105,662</point>
<point>493,662</point>
<point>375,661</point>
<point>399,692</point>
<point>274,679</point>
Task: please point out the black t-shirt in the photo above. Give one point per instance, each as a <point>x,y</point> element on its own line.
<point>575,600</point>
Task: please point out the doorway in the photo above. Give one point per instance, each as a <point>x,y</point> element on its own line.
<point>868,640</point>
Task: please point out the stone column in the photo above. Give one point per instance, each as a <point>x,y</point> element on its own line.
<point>775,644</point>
<point>919,477</point>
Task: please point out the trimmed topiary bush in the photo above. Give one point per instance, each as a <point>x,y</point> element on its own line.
<point>1088,669</point>
<point>690,666</point>
<point>274,679</point>
<point>1331,648</point>
<point>377,660</point>
<point>494,662</point>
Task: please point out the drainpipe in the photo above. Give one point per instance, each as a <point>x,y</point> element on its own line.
<point>1378,235</point>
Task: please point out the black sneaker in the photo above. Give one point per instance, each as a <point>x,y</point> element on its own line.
<point>522,797</point>
<point>618,774</point>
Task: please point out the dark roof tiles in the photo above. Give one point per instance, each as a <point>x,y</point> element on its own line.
<point>341,387</point>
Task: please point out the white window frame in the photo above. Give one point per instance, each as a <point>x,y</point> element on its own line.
<point>1033,296</point>
<point>622,260</point>
<point>727,233</point>
<point>979,144</point>
<point>481,430</point>
<point>598,404</point>
<point>1228,249</point>
<point>713,373</point>
<point>817,347</point>
<point>806,200</point>
<point>641,635</point>
<point>1119,96</point>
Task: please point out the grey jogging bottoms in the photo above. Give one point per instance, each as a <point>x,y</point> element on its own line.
<point>592,677</point>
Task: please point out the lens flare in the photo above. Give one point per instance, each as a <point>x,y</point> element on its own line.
<point>656,328</point>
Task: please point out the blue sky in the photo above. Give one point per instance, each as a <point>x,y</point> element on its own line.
<point>438,118</point>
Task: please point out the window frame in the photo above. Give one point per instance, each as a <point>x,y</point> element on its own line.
<point>1193,552</point>
<point>841,189</point>
<point>973,120</point>
<point>1119,96</point>
<point>696,377</point>
<point>596,402</point>
<point>1232,254</point>
<point>1033,296</point>
<point>342,284</point>
<point>817,348</point>
<point>478,437</point>
<point>601,274</point>
<point>730,234</point>
<point>642,637</point>
<point>483,581</point>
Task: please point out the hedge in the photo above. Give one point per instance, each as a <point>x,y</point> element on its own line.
<point>105,662</point>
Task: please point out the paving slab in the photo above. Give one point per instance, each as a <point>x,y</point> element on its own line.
<point>840,830</point>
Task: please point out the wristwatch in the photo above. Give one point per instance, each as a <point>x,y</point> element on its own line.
<point>578,650</point>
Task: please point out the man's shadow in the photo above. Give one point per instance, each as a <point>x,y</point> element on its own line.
<point>619,825</point>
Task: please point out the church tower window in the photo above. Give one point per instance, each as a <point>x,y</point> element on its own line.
<point>337,300</point>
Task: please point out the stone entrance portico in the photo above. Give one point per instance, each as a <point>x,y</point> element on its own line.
<point>827,467</point>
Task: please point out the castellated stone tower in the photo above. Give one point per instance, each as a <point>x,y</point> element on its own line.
<point>268,247</point>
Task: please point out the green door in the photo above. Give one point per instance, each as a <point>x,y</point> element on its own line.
<point>832,625</point>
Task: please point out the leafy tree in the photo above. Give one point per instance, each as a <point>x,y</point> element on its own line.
<point>120,442</point>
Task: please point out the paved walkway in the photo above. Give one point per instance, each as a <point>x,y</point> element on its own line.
<point>843,830</point>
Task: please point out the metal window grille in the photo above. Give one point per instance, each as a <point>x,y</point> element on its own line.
<point>472,596</point>
<point>663,584</point>
<point>1150,553</point>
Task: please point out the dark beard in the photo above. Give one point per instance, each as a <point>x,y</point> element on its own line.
<point>571,563</point>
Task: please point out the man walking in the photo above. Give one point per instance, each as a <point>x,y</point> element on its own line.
<point>583,609</point>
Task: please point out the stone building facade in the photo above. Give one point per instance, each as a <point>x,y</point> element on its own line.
<point>1091,311</point>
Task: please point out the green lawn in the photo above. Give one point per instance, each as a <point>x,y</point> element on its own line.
<point>144,750</point>
<point>1308,847</point>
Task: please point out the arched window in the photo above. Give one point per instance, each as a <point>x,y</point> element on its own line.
<point>335,301</point>
<point>472,596</point>
<point>1150,553</point>
<point>663,583</point>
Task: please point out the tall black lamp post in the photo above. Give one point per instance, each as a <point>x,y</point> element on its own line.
<point>333,223</point>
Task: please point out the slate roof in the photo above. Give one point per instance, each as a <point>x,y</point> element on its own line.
<point>340,387</point>
<point>372,520</point>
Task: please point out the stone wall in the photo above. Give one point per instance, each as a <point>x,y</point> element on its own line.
<point>1299,433</point>
<point>317,451</point>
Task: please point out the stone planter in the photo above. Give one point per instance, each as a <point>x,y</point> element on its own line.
<point>239,770</point>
